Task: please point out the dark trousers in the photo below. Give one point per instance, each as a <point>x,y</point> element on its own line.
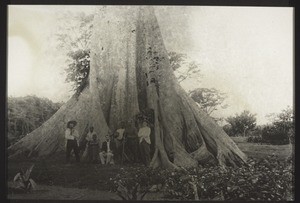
<point>93,152</point>
<point>119,151</point>
<point>145,152</point>
<point>82,146</point>
<point>72,145</point>
<point>132,148</point>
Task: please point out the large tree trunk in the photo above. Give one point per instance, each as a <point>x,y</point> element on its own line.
<point>130,72</point>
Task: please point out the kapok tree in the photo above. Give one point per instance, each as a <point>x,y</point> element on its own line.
<point>129,73</point>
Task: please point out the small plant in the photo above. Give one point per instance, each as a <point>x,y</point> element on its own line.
<point>23,181</point>
<point>131,193</point>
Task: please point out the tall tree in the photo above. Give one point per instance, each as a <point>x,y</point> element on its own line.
<point>130,73</point>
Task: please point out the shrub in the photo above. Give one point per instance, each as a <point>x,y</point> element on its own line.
<point>262,179</point>
<point>265,179</point>
<point>255,139</point>
<point>135,182</point>
<point>275,135</point>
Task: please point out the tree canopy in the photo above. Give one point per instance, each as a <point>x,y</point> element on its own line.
<point>209,99</point>
<point>74,38</point>
<point>241,123</point>
<point>27,113</point>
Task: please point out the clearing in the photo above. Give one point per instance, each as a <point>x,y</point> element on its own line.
<point>83,181</point>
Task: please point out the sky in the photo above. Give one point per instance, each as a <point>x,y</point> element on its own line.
<point>245,52</point>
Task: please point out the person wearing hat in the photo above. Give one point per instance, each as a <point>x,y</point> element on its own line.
<point>72,138</point>
<point>107,151</point>
<point>144,142</point>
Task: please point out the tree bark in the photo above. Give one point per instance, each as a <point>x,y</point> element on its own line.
<point>130,72</point>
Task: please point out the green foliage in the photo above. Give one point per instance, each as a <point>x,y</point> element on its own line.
<point>255,139</point>
<point>265,179</point>
<point>176,60</point>
<point>26,114</point>
<point>135,182</point>
<point>280,131</point>
<point>274,134</point>
<point>255,135</point>
<point>193,71</point>
<point>208,99</point>
<point>132,193</point>
<point>78,70</point>
<point>240,124</point>
<point>262,179</point>
<point>74,37</point>
<point>23,180</point>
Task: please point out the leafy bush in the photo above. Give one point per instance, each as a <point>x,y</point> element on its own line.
<point>282,129</point>
<point>135,182</point>
<point>255,139</point>
<point>275,135</point>
<point>262,179</point>
<point>265,179</point>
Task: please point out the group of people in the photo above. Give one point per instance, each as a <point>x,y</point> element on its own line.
<point>127,143</point>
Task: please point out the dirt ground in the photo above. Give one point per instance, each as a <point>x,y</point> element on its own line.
<point>46,192</point>
<point>59,181</point>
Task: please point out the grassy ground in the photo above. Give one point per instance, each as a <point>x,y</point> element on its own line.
<point>256,150</point>
<point>90,181</point>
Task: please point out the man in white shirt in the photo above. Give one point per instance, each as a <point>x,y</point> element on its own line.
<point>72,139</point>
<point>144,143</point>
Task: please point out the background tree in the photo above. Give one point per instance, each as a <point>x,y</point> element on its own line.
<point>241,124</point>
<point>209,99</point>
<point>285,119</point>
<point>184,70</point>
<point>26,114</point>
<point>193,71</point>
<point>176,59</point>
<point>74,39</point>
<point>282,128</point>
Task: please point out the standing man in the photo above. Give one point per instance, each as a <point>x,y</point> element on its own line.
<point>94,149</point>
<point>119,138</point>
<point>107,151</point>
<point>72,139</point>
<point>132,140</point>
<point>89,139</point>
<point>144,143</point>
